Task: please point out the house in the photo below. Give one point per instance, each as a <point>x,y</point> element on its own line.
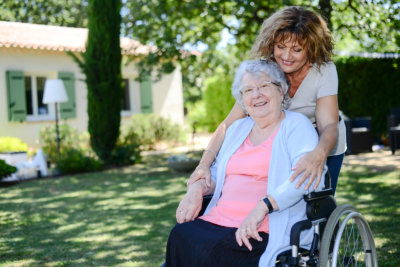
<point>31,53</point>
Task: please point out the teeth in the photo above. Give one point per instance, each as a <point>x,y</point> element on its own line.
<point>260,104</point>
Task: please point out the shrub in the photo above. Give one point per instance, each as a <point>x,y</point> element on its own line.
<point>149,129</point>
<point>8,144</point>
<point>5,169</point>
<point>369,87</point>
<point>126,152</point>
<point>75,152</point>
<point>74,160</point>
<point>218,98</point>
<point>69,138</point>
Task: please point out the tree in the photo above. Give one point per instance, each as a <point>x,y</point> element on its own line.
<point>101,65</point>
<point>70,13</point>
<point>173,26</point>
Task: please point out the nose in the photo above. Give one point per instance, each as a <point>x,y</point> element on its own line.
<point>256,92</point>
<point>286,54</point>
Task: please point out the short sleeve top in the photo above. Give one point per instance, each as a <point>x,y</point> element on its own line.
<point>318,84</point>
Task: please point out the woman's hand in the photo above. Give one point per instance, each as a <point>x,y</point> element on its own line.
<point>312,166</point>
<point>248,228</point>
<point>201,172</point>
<point>190,205</point>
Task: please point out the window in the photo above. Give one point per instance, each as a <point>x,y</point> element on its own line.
<point>126,103</point>
<point>34,90</point>
<point>130,97</point>
<point>25,96</point>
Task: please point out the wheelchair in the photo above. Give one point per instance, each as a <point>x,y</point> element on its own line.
<point>342,236</point>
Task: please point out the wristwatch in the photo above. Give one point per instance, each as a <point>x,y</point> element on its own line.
<point>268,203</point>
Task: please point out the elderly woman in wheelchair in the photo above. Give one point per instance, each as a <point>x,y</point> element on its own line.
<point>256,216</point>
<point>254,205</point>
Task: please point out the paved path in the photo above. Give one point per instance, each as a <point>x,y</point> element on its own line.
<point>379,160</point>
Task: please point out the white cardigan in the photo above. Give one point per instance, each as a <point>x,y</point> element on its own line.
<point>296,136</point>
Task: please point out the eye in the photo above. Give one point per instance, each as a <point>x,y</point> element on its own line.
<point>264,87</point>
<point>247,91</point>
<point>297,49</point>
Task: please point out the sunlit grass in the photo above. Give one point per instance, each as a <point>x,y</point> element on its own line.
<point>122,217</point>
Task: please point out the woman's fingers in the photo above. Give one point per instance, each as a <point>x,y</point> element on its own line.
<point>200,172</point>
<point>242,237</point>
<point>311,167</point>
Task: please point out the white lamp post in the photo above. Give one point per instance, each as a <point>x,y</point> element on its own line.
<point>54,92</point>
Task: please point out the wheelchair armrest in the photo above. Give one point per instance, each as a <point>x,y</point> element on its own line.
<point>318,195</point>
<point>296,230</point>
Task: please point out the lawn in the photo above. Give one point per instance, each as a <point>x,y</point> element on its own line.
<point>122,217</point>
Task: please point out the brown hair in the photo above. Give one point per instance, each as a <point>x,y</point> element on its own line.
<point>307,27</point>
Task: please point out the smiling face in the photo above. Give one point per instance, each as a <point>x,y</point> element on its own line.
<point>290,55</point>
<point>261,98</point>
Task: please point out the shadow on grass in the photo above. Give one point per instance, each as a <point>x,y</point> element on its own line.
<point>118,217</point>
<point>376,194</point>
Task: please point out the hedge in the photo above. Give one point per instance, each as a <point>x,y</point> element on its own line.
<point>369,87</point>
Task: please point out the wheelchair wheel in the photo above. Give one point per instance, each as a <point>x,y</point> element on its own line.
<point>347,240</point>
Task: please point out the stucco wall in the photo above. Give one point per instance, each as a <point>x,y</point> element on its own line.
<point>167,93</point>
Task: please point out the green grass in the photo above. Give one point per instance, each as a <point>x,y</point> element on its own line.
<point>122,217</point>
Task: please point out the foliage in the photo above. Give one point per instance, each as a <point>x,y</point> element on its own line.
<point>74,160</point>
<point>72,13</point>
<point>76,154</point>
<point>12,144</point>
<point>173,26</point>
<point>69,138</point>
<point>5,169</point>
<point>149,129</point>
<point>369,87</point>
<point>101,65</point>
<point>218,98</point>
<point>127,151</point>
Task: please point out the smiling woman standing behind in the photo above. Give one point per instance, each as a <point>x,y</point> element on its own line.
<point>300,42</point>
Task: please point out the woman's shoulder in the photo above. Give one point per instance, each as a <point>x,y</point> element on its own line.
<point>296,120</point>
<point>326,68</point>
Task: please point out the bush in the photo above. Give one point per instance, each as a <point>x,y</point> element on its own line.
<point>218,98</point>
<point>12,144</point>
<point>69,138</point>
<point>74,160</point>
<point>149,129</point>
<point>5,169</point>
<point>75,152</point>
<point>369,87</point>
<point>126,152</point>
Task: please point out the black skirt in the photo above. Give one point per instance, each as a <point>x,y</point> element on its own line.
<point>200,243</point>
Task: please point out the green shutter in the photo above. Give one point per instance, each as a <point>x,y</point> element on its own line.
<point>16,95</point>
<point>68,109</point>
<point>146,97</point>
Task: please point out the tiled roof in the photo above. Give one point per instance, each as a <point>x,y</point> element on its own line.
<point>55,38</point>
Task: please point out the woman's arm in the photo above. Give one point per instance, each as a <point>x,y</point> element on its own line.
<point>312,164</point>
<point>190,205</point>
<point>203,169</point>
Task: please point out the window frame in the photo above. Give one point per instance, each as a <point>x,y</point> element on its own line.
<point>35,107</point>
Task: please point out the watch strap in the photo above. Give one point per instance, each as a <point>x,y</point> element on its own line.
<point>269,205</point>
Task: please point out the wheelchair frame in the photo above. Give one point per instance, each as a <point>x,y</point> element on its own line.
<point>342,229</point>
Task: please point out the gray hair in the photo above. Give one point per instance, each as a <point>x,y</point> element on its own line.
<point>270,68</point>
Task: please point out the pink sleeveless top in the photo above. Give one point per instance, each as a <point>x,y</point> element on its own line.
<point>245,184</point>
